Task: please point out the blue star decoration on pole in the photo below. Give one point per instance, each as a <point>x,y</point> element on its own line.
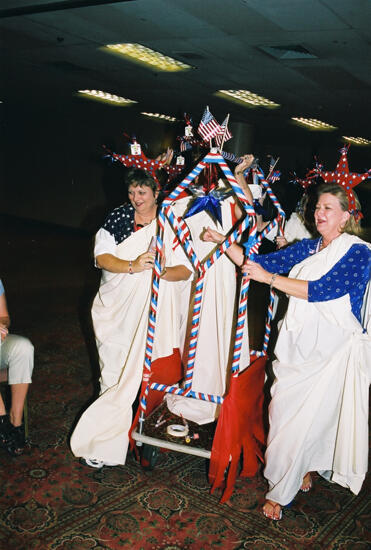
<point>208,202</point>
<point>207,194</point>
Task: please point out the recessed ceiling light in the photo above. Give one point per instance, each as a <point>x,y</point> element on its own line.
<point>358,140</point>
<point>248,97</point>
<point>142,54</point>
<point>292,51</point>
<point>158,115</point>
<point>106,97</point>
<point>313,123</point>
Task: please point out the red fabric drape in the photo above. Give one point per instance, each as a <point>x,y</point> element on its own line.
<point>165,370</point>
<point>240,429</point>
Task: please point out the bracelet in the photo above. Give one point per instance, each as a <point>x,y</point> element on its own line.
<point>238,173</point>
<point>163,272</point>
<point>131,267</point>
<point>272,280</point>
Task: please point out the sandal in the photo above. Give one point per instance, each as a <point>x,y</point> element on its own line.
<point>307,483</point>
<point>276,512</point>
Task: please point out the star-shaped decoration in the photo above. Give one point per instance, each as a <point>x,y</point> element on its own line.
<point>207,195</point>
<point>343,177</point>
<point>139,161</point>
<point>208,202</point>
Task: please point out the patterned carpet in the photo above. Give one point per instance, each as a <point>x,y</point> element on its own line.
<point>49,500</point>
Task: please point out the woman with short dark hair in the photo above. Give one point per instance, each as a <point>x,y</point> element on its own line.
<point>125,252</point>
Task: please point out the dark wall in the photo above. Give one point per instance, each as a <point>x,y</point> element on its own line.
<point>52,160</point>
<point>53,168</point>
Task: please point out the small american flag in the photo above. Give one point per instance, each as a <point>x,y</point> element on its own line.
<point>223,133</point>
<point>208,127</point>
<point>275,176</point>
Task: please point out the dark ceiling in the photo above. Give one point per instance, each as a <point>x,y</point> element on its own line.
<point>321,68</point>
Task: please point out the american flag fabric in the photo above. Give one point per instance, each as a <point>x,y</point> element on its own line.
<point>223,133</point>
<point>209,126</point>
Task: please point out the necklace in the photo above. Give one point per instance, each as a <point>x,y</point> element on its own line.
<point>138,224</point>
<point>321,245</point>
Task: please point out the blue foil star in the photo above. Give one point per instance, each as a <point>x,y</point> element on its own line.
<point>209,203</point>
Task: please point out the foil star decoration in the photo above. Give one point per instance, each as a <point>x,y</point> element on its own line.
<point>343,177</point>
<point>138,161</point>
<point>209,203</point>
<point>208,197</point>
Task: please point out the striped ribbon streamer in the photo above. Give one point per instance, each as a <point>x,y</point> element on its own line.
<point>242,305</point>
<point>267,334</point>
<point>195,327</point>
<point>281,213</point>
<point>278,221</point>
<point>223,247</point>
<point>182,232</point>
<point>157,270</point>
<point>184,184</point>
<point>152,315</point>
<point>175,390</point>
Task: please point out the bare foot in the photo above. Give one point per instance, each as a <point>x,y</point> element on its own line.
<point>272,510</point>
<point>307,483</point>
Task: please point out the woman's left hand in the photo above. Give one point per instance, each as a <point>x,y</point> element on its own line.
<point>256,272</point>
<point>247,161</point>
<point>210,235</point>
<point>3,331</point>
<point>166,157</point>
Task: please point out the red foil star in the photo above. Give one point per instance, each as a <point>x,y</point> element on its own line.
<point>141,162</point>
<point>343,177</point>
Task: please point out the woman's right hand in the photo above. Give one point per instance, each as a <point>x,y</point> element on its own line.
<point>212,236</point>
<point>144,262</point>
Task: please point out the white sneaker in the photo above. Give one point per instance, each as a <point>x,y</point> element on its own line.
<point>94,463</point>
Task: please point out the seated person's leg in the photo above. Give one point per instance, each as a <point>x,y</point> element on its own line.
<point>4,422</point>
<point>19,356</point>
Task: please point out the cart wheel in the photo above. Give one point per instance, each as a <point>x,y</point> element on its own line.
<point>149,456</point>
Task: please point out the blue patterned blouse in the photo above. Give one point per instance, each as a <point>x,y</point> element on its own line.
<point>349,275</point>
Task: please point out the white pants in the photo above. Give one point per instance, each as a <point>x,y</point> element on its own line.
<point>17,355</point>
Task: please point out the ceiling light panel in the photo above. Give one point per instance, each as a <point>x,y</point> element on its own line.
<point>313,123</point>
<point>148,57</point>
<point>357,140</point>
<point>106,97</point>
<point>295,51</point>
<point>160,116</point>
<point>248,97</point>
